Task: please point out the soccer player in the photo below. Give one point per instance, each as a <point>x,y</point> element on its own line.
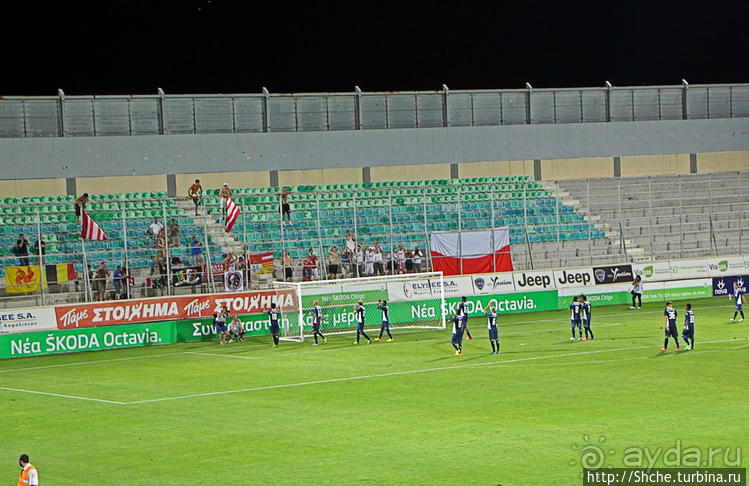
<point>274,314</point>
<point>688,332</point>
<point>738,296</point>
<point>575,316</point>
<point>385,326</point>
<point>586,317</point>
<point>463,314</point>
<point>316,321</point>
<point>670,315</point>
<point>457,339</point>
<point>219,321</point>
<point>492,326</point>
<point>360,312</point>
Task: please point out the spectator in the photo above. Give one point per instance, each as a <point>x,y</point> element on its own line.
<point>333,258</point>
<point>288,268</point>
<point>155,228</point>
<point>129,281</point>
<point>309,267</point>
<point>400,256</point>
<point>417,254</point>
<point>80,205</point>
<point>236,330</point>
<point>409,260</point>
<point>196,250</point>
<point>346,259</point>
<point>225,194</point>
<point>241,264</point>
<point>43,245</point>
<point>118,280</point>
<point>230,262</point>
<point>369,262</point>
<point>160,267</point>
<point>359,261</point>
<point>161,240</point>
<point>350,242</point>
<point>22,250</point>
<point>174,234</point>
<point>195,192</point>
<point>100,281</point>
<point>285,207</point>
<point>378,270</point>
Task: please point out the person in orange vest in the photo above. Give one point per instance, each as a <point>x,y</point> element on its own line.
<point>29,476</point>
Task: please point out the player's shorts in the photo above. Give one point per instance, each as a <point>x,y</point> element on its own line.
<point>360,327</point>
<point>586,323</point>
<point>493,333</point>
<point>464,322</point>
<point>289,272</point>
<point>385,325</point>
<point>738,306</point>
<point>687,332</point>
<point>274,328</point>
<point>196,200</point>
<point>220,327</point>
<point>285,208</point>
<point>77,210</point>
<point>457,338</point>
<point>671,332</point>
<point>316,327</point>
<point>333,268</point>
<point>576,323</point>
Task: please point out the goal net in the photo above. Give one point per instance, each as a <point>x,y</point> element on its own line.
<point>414,301</point>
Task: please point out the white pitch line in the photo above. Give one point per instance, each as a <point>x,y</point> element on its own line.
<point>81,363</point>
<point>395,373</point>
<point>59,395</point>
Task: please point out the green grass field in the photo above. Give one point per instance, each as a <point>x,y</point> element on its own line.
<point>407,412</point>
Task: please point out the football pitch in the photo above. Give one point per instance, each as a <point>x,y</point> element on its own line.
<point>406,412</point>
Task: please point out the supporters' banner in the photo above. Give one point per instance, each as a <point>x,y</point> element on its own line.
<point>60,273</point>
<point>169,308</point>
<point>613,274</point>
<point>723,286</point>
<point>20,280</point>
<point>186,276</point>
<point>232,211</point>
<point>493,283</point>
<point>233,281</point>
<point>90,230</point>
<point>262,263</point>
<point>31,319</point>
<point>218,269</point>
<point>426,288</point>
<point>477,251</point>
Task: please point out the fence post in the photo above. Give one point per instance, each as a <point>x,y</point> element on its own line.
<point>528,112</point>
<point>650,204</point>
<point>357,108</point>
<point>494,250</point>
<point>209,267</point>
<point>460,231</point>
<point>160,110</point>
<point>61,112</point>
<point>266,112</point>
<point>124,242</point>
<point>609,89</point>
<point>681,222</point>
<point>426,229</point>
<point>445,112</point>
<point>167,236</point>
<point>684,100</point>
<point>42,269</point>
<point>556,205</point>
<point>621,225</point>
<point>710,211</point>
<point>390,212</point>
<point>590,221</point>
<point>740,210</point>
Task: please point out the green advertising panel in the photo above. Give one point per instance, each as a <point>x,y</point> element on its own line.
<point>344,298</point>
<point>655,295</point>
<point>202,329</point>
<point>86,339</point>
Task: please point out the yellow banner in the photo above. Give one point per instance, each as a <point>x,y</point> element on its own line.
<point>19,280</point>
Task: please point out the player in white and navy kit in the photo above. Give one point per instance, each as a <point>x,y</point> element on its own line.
<point>463,315</point>
<point>688,332</point>
<point>738,297</point>
<point>491,324</point>
<point>274,316</point>
<point>316,321</point>
<point>576,319</point>
<point>457,337</point>
<point>385,326</point>
<point>586,317</point>
<point>670,315</point>
<point>360,312</point>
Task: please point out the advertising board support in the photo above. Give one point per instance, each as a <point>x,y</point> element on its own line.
<point>681,222</point>
<point>392,250</point>
<point>556,207</point>
<point>740,211</point>
<point>208,267</point>
<point>460,231</point>
<point>650,206</point>
<point>319,229</point>
<point>168,253</point>
<point>590,221</point>
<point>124,242</point>
<point>427,256</point>
<point>491,198</point>
<point>86,282</point>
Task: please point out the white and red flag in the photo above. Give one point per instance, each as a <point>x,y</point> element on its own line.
<point>90,230</point>
<point>232,212</point>
<point>473,252</point>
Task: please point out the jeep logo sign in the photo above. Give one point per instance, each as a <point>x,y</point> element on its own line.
<point>533,280</point>
<point>573,278</point>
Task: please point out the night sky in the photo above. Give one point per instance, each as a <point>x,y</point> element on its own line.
<point>238,47</point>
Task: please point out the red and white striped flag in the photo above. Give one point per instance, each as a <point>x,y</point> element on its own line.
<point>90,230</point>
<point>232,211</point>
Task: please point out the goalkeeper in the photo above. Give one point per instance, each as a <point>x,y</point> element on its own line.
<point>385,326</point>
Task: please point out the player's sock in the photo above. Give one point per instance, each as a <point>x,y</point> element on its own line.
<point>742,314</point>
<point>677,343</point>
<point>380,336</point>
<point>469,334</point>
<point>573,333</point>
<point>493,350</point>
<point>390,336</point>
<point>735,314</point>
<point>665,344</point>
<point>455,346</point>
<point>591,333</point>
<point>315,334</point>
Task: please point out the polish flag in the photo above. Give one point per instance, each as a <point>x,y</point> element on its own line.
<point>90,230</point>
<point>480,252</point>
<point>232,211</point>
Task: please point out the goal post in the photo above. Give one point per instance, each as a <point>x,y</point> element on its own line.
<point>415,301</point>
